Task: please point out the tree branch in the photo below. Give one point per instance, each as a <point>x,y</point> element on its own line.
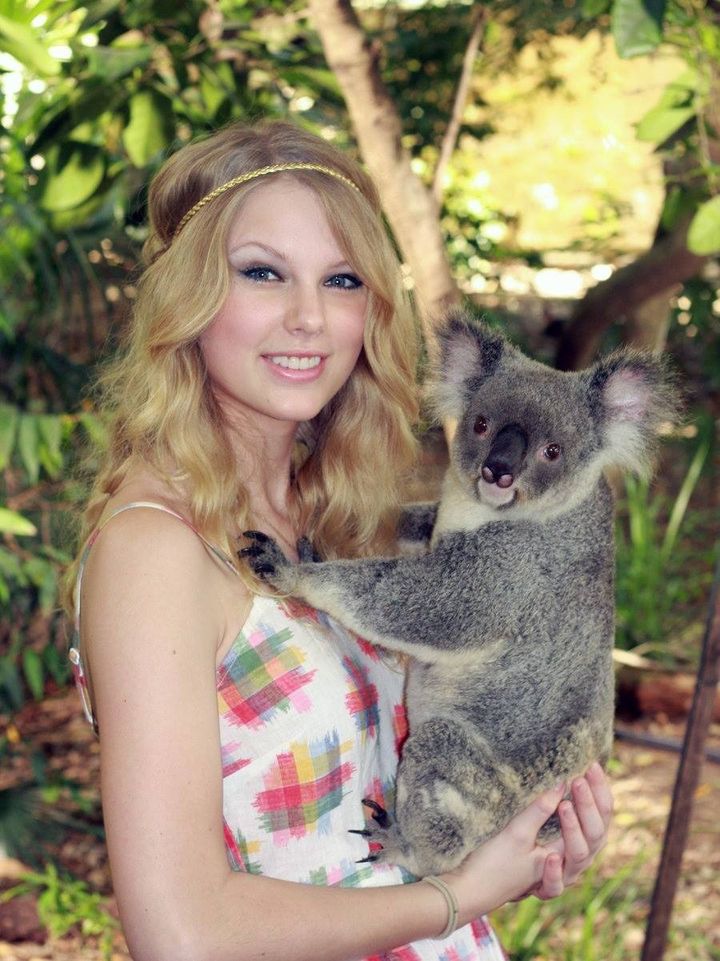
<point>667,263</point>
<point>453,128</point>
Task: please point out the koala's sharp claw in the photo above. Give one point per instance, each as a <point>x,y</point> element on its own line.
<point>363,832</point>
<point>379,813</point>
<point>253,551</point>
<point>369,858</point>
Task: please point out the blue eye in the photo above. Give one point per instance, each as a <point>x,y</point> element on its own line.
<point>260,273</point>
<point>344,282</point>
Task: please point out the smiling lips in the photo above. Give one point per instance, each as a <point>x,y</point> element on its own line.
<point>296,366</point>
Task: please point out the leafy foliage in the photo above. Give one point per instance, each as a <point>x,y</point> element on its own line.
<point>65,904</point>
<point>685,119</point>
<point>102,92</point>
<point>659,574</point>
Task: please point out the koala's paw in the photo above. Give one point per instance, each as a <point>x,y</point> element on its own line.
<point>386,843</point>
<point>267,560</point>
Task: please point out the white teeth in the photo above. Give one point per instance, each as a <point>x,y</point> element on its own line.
<point>295,363</point>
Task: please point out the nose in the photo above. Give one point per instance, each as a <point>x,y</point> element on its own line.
<point>506,455</point>
<point>306,311</point>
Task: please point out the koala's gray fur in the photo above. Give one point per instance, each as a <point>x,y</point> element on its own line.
<point>508,617</point>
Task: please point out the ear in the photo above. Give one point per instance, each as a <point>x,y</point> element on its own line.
<point>631,396</point>
<point>469,353</point>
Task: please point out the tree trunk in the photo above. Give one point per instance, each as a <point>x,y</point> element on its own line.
<point>411,209</point>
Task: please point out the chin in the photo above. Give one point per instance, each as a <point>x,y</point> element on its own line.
<point>497,498</point>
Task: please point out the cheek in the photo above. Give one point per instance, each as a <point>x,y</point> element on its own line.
<point>235,326</point>
<point>354,325</point>
<point>544,476</point>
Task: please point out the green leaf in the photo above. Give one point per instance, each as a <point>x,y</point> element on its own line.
<point>594,8</point>
<point>10,684</point>
<point>113,63</point>
<point>637,26</point>
<point>48,589</point>
<point>675,107</point>
<point>151,126</point>
<point>704,233</point>
<point>660,123</point>
<point>8,427</point>
<point>74,171</point>
<point>50,432</point>
<point>20,42</point>
<point>10,566</point>
<point>98,11</point>
<point>316,79</point>
<point>13,523</point>
<point>95,429</point>
<point>673,207</point>
<point>57,666</point>
<point>33,671</point>
<point>28,446</point>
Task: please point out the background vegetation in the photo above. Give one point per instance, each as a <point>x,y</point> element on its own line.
<point>560,161</point>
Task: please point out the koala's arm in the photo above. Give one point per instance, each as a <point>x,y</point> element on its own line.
<point>431,606</point>
<point>415,526</point>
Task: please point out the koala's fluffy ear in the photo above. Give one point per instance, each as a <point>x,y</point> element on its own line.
<point>469,353</point>
<point>631,395</point>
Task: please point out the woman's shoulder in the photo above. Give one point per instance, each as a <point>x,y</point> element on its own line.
<point>144,524</point>
<point>141,489</point>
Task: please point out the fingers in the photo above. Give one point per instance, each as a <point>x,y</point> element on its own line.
<point>584,821</point>
<point>593,804</point>
<point>552,883</point>
<point>528,822</point>
<point>600,786</point>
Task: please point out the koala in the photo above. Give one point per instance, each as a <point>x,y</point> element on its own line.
<point>507,613</point>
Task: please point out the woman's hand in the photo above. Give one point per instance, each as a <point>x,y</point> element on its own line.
<point>584,821</point>
<point>512,864</point>
<point>509,865</point>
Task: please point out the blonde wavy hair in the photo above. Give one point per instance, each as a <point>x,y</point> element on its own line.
<point>354,455</point>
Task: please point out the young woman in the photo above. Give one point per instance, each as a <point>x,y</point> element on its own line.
<point>267,383</point>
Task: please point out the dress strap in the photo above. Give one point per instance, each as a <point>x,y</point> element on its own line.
<point>74,652</point>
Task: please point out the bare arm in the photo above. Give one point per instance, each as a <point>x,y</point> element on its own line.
<point>151,626</point>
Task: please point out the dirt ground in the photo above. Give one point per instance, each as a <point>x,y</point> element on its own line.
<point>642,779</point>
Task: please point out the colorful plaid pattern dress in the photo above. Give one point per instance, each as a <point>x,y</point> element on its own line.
<point>311,721</point>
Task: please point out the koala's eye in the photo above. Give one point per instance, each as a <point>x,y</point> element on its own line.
<point>480,426</point>
<point>552,451</point>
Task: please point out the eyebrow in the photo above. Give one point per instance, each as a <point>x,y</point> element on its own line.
<point>276,253</point>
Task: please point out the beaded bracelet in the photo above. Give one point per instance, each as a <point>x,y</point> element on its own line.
<point>451,901</point>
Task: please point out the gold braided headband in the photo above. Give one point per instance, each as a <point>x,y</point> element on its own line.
<point>261,172</point>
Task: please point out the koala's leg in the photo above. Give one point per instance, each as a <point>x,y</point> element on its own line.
<point>451,795</point>
<point>417,605</point>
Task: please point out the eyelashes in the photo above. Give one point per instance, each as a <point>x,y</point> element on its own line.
<point>263,274</point>
<point>260,274</point>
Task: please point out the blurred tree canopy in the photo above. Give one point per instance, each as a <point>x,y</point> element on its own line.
<point>95,95</point>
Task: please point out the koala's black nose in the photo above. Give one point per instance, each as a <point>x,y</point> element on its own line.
<point>506,455</point>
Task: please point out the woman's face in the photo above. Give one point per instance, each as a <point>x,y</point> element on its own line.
<point>291,329</point>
